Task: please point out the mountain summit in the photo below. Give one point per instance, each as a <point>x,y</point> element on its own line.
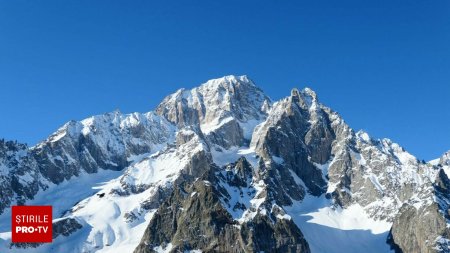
<point>222,168</point>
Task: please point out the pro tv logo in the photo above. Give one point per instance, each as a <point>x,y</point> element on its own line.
<point>31,224</point>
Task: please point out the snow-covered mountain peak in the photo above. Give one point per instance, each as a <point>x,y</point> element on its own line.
<point>229,105</point>
<point>363,136</point>
<point>443,162</point>
<point>305,98</point>
<point>308,91</point>
<point>221,161</point>
<point>227,94</point>
<point>229,82</point>
<point>445,159</point>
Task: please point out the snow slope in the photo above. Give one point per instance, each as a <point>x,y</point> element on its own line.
<point>110,173</point>
<point>334,230</point>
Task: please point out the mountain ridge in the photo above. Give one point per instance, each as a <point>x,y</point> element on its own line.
<point>303,158</point>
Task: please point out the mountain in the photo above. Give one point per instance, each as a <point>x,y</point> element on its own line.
<point>222,168</point>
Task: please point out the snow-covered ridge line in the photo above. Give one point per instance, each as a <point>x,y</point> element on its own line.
<point>291,162</point>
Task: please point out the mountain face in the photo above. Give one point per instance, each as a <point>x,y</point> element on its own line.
<point>423,220</point>
<point>222,168</point>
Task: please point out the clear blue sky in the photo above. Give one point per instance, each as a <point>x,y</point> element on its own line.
<point>384,65</point>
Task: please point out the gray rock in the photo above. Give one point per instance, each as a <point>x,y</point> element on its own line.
<point>421,224</point>
<point>64,227</point>
<point>100,142</point>
<point>302,147</point>
<point>220,108</point>
<point>194,218</point>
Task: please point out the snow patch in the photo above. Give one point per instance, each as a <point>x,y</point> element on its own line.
<point>222,157</point>
<point>161,249</point>
<point>350,229</point>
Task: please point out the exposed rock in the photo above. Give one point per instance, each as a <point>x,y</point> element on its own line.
<point>64,227</point>
<point>287,134</point>
<point>100,142</point>
<point>194,218</point>
<point>421,224</point>
<point>224,109</point>
<point>220,166</point>
<point>19,174</point>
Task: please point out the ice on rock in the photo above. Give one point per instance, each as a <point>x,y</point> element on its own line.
<point>293,166</point>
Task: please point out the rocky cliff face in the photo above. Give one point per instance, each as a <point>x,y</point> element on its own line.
<point>104,142</point>
<point>445,159</point>
<point>225,109</point>
<point>220,168</point>
<point>422,223</point>
<point>101,142</point>
<point>20,178</point>
<point>200,216</point>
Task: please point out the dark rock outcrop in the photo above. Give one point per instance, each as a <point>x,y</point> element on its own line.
<point>194,218</point>
<point>421,225</point>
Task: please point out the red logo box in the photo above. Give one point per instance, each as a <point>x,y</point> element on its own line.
<point>31,224</point>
